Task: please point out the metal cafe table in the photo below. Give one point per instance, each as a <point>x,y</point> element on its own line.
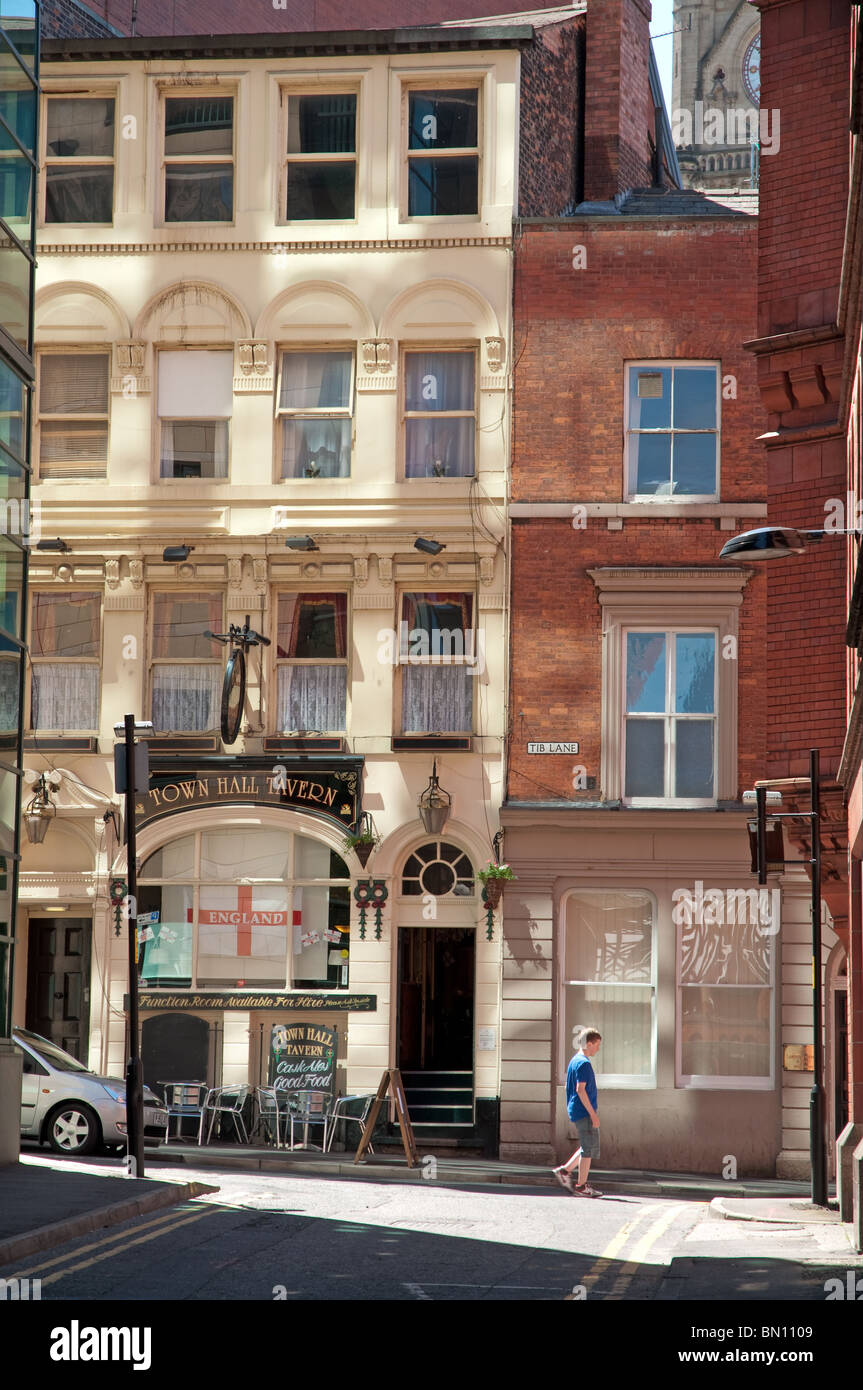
<point>284,1110</point>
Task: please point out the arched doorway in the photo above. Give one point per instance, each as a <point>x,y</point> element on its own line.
<point>436,987</point>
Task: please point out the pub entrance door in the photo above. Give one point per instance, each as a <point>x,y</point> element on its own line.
<point>58,982</point>
<point>436,971</point>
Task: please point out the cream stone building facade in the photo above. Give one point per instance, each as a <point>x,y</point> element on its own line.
<point>274,295</point>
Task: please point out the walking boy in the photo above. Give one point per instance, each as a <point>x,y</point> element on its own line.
<point>581,1105</point>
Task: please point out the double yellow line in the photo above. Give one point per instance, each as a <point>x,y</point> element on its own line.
<point>162,1224</point>
<point>636,1257</point>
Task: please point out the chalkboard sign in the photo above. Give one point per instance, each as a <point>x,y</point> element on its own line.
<point>302,1057</point>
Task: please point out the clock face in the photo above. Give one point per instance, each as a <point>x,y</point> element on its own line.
<point>233,695</point>
<point>752,70</point>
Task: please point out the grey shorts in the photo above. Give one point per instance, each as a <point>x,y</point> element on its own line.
<point>588,1137</point>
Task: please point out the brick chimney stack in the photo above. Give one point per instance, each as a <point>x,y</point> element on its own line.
<point>618,105</point>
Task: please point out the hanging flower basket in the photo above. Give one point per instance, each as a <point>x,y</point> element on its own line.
<point>492,878</point>
<point>362,840</point>
<point>363,851</point>
<point>494,891</point>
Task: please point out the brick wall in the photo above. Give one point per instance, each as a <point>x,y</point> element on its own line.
<point>668,289</point>
<point>551,176</point>
<point>650,289</point>
<point>65,19</point>
<point>618,108</point>
<point>804,76</point>
<point>164,17</point>
<point>803,196</point>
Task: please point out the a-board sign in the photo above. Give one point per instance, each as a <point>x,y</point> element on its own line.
<point>390,1081</point>
<point>302,1057</point>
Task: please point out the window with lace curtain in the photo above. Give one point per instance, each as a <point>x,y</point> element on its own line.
<point>73,414</point>
<point>436,656</point>
<point>315,409</point>
<point>65,645</point>
<point>311,663</point>
<point>186,667</point>
<point>439,414</point>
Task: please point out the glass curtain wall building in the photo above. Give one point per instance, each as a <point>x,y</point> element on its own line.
<point>19,86</point>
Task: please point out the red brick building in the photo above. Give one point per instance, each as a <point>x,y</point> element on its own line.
<point>166,17</point>
<point>808,353</point>
<point>638,711</point>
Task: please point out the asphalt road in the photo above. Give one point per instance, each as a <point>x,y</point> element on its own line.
<point>287,1239</point>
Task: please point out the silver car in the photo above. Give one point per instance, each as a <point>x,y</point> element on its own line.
<point>68,1106</point>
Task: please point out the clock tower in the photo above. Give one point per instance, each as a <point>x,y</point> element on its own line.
<point>716,86</point>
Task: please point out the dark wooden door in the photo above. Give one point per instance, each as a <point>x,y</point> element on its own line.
<point>58,982</point>
<point>436,998</point>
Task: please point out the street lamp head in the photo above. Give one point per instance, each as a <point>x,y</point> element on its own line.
<point>767,543</point>
<point>143,729</point>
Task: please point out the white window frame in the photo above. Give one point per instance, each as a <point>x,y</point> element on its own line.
<point>346,413</point>
<point>217,660</point>
<point>280,662</point>
<point>434,346</point>
<point>61,349</point>
<point>658,600</point>
<point>694,1081</point>
<point>671,498</point>
<point>349,87</point>
<point>173,91</point>
<point>91,94</point>
<point>405,660</point>
<point>185,419</point>
<point>35,660</point>
<point>611,1080</point>
<point>669,718</point>
<point>435,83</point>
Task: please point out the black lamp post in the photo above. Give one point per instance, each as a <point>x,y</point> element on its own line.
<point>127,782</point>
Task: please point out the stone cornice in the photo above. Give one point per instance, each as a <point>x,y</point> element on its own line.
<point>273,248</point>
<point>800,337</point>
<point>631,584</point>
<point>680,511</point>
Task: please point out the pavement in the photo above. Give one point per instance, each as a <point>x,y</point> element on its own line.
<point>46,1200</point>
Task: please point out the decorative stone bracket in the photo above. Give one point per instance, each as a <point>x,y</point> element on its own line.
<point>377,367</point>
<point>253,357</point>
<point>127,379</point>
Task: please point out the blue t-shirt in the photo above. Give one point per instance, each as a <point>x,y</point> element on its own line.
<point>579,1070</point>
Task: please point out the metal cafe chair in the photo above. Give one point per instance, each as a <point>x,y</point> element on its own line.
<point>308,1108</point>
<point>338,1112</point>
<point>185,1100</point>
<point>228,1100</point>
<point>269,1116</point>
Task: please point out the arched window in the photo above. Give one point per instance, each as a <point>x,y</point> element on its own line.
<point>710,165</point>
<point>256,908</point>
<point>438,868</point>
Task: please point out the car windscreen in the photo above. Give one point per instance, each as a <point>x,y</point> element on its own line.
<point>50,1053</point>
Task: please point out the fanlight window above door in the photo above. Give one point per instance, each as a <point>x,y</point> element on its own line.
<point>438,868</point>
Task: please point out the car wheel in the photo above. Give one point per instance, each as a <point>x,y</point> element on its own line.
<point>72,1129</point>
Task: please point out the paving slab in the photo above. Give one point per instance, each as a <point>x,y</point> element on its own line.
<point>43,1203</point>
<point>443,1169</point>
<point>779,1210</point>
